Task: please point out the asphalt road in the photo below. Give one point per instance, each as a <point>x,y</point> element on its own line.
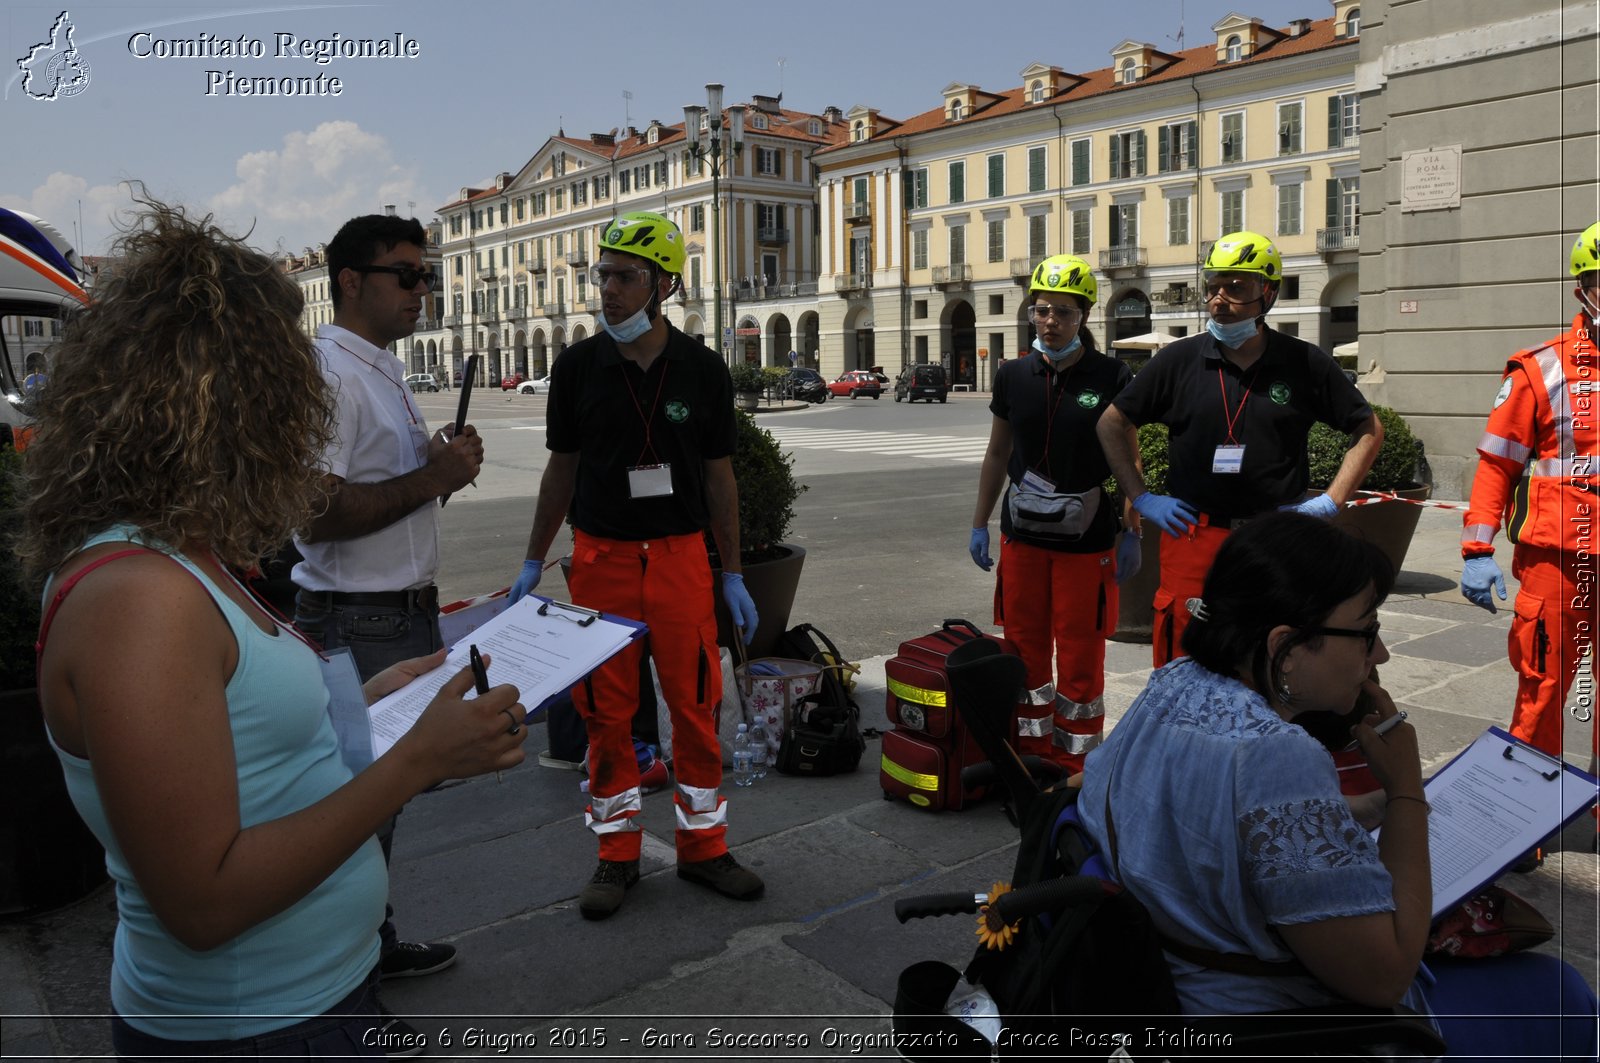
<point>884,519</point>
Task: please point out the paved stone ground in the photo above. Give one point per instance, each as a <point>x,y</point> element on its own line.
<point>495,868</point>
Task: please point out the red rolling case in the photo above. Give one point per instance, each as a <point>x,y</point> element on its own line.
<point>924,754</point>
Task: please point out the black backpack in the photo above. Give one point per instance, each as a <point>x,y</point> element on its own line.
<point>823,736</point>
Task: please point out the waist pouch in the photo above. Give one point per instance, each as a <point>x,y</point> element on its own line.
<point>1062,515</point>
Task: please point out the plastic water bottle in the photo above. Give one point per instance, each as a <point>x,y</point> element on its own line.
<point>760,750</point>
<point>743,774</point>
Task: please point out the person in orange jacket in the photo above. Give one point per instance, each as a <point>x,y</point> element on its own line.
<point>1537,473</point>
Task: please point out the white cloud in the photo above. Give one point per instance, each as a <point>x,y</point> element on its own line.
<point>299,194</point>
<point>58,201</point>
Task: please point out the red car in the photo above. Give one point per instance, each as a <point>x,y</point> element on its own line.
<point>509,383</point>
<point>857,382</point>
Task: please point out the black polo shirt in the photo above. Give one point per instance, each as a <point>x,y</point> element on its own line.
<point>1272,406</point>
<point>599,403</point>
<point>1043,405</point>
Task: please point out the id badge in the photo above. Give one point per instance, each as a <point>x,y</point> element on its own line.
<point>347,708</point>
<point>1039,485</point>
<point>649,481</point>
<point>1229,458</point>
<point>419,443</point>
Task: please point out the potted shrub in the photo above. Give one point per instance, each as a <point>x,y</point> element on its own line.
<point>1387,524</point>
<point>49,856</point>
<point>749,381</point>
<point>767,491</point>
<point>1135,609</point>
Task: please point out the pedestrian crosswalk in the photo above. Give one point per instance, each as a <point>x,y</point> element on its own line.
<point>901,444</point>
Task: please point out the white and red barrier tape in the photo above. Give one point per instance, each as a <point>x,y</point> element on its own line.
<point>1374,497</point>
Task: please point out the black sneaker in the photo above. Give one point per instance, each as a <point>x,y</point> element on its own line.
<point>411,959</point>
<point>397,1037</point>
<point>603,895</point>
<point>723,874</point>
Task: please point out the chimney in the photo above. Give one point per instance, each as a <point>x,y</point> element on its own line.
<point>833,114</point>
<point>388,209</point>
<point>768,104</point>
<point>1300,27</point>
<point>604,140</point>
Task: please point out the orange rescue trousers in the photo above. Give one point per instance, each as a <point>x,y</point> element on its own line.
<point>1058,608</point>
<point>1185,560</point>
<point>667,584</point>
<point>1554,623</point>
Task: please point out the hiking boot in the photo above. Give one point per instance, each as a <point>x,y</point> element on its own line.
<point>723,874</point>
<point>603,895</point>
<point>412,959</point>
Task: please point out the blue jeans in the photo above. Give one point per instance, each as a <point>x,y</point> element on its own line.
<point>349,1028</point>
<point>377,636</point>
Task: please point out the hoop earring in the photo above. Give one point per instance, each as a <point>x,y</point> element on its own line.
<point>1285,695</point>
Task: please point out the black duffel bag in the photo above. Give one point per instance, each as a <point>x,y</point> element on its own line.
<point>821,738</point>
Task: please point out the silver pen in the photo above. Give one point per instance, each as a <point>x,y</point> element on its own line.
<point>1385,726</point>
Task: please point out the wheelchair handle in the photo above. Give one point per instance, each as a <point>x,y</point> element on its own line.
<point>936,904</point>
<point>1050,896</point>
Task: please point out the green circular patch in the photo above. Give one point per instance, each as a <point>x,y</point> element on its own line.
<point>677,411</point>
<point>1279,393</point>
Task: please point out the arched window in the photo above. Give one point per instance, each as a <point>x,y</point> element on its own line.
<point>1352,23</point>
<point>1036,92</point>
<point>955,110</point>
<point>1235,49</point>
<point>860,130</point>
<point>1127,73</point>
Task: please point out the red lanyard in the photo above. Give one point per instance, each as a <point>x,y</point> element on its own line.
<point>1050,422</point>
<point>647,418</point>
<point>1239,412</point>
<point>410,410</point>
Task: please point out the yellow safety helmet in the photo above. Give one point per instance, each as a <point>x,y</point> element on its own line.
<point>1065,273</point>
<point>648,235</point>
<point>1246,252</point>
<point>1586,252</point>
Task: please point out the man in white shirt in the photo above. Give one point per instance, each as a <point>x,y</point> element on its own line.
<point>371,556</point>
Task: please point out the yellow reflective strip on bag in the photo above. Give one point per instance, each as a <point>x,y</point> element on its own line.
<point>907,692</point>
<point>913,779</point>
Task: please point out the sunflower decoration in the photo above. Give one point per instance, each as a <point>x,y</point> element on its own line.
<point>992,933</point>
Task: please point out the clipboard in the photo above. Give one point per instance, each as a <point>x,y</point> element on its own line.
<point>1492,802</point>
<point>468,375</point>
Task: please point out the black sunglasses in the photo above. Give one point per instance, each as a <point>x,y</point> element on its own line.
<point>408,275</point>
<point>1370,633</point>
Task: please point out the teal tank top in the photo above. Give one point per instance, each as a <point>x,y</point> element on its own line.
<point>306,958</point>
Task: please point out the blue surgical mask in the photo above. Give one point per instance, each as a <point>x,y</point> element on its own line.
<point>1057,355</point>
<point>631,329</point>
<point>1232,336</point>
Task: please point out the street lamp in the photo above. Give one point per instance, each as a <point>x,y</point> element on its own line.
<point>716,150</point>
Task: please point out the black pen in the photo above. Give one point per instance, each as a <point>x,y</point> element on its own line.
<point>480,680</point>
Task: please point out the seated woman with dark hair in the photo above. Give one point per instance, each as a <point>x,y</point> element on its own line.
<point>181,443</point>
<point>1222,813</point>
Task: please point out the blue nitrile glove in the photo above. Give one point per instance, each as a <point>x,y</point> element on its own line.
<point>978,547</point>
<point>1478,574</point>
<point>1171,515</point>
<point>1323,507</point>
<point>740,606</point>
<point>527,580</point>
<point>1130,556</point>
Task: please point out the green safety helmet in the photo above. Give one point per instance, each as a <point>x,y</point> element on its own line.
<point>1246,252</point>
<point>648,235</point>
<point>1586,252</point>
<point>1065,273</point>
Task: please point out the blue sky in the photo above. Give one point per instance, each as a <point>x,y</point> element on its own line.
<point>491,82</point>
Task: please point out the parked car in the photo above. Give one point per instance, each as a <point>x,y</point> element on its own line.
<point>806,385</point>
<point>857,382</point>
<point>511,381</point>
<point>922,382</point>
<point>421,382</point>
<point>534,387</point>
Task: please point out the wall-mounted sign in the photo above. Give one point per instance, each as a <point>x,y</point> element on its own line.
<point>1132,308</point>
<point>1408,306</point>
<point>750,332</point>
<point>1431,179</point>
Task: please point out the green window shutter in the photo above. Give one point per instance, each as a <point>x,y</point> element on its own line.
<point>1164,149</point>
<point>1335,123</point>
<point>1138,154</point>
<point>1116,157</point>
<point>1333,203</point>
<point>1191,139</point>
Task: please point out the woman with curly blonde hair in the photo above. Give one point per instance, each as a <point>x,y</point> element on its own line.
<point>178,442</point>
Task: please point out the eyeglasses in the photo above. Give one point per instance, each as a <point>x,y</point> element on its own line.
<point>1063,314</point>
<point>409,275</point>
<point>625,276</point>
<point>1370,633</point>
<point>1234,289</point>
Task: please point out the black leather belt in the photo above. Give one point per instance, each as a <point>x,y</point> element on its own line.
<point>1217,520</point>
<point>418,598</point>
